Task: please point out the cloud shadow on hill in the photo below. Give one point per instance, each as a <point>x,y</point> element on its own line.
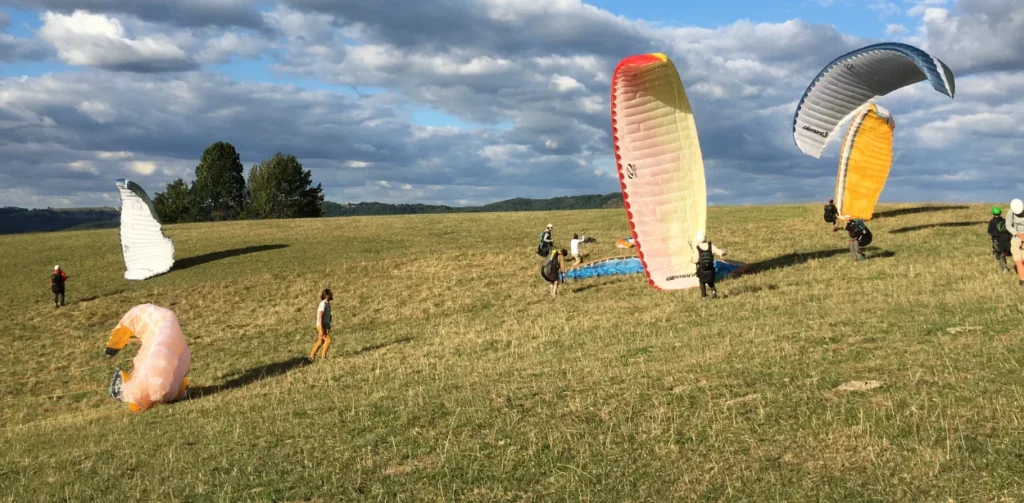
<point>901,230</point>
<point>185,263</point>
<point>250,376</point>
<point>918,209</point>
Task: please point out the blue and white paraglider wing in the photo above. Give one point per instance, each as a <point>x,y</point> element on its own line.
<point>621,266</point>
<point>147,252</point>
<point>854,79</point>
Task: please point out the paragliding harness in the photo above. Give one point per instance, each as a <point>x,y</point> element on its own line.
<point>705,264</point>
<point>550,270</point>
<point>544,247</point>
<point>859,231</point>
<point>57,282</point>
<point>1000,237</point>
<point>830,213</point>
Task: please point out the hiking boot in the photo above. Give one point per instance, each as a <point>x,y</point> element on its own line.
<point>714,294</point>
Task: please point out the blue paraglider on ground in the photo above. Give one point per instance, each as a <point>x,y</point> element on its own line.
<point>631,265</point>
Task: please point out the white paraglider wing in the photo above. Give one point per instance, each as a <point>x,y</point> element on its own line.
<point>854,79</point>
<point>147,252</point>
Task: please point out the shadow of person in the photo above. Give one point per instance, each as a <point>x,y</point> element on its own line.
<point>247,377</point>
<point>791,259</point>
<point>185,263</point>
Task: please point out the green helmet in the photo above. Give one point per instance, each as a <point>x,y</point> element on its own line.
<point>996,210</point>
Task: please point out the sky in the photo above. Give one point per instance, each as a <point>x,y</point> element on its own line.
<point>465,102</point>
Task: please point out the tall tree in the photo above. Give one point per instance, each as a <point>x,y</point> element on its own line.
<point>219,189</point>
<point>280,188</point>
<point>174,204</point>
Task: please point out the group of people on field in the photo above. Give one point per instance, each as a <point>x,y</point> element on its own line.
<point>860,235</point>
<point>1008,237</point>
<point>553,269</point>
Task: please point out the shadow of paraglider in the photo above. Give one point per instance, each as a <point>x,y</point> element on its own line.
<point>918,209</point>
<point>791,259</point>
<point>901,230</point>
<point>247,377</point>
<point>797,258</point>
<point>185,263</point>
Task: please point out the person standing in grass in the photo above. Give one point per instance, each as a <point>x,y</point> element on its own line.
<point>1015,224</point>
<point>574,247</point>
<point>552,270</point>
<point>704,256</point>
<point>831,214</point>
<point>546,243</point>
<point>57,281</point>
<point>1000,238</point>
<point>323,324</point>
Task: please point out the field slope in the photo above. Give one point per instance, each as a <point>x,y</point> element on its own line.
<point>454,377</point>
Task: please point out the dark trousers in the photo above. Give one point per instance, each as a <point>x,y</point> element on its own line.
<point>58,293</point>
<point>707,279</point>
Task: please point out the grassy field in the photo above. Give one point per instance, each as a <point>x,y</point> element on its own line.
<point>455,377</point>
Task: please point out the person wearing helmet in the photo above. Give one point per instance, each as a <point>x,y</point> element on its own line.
<point>57,281</point>
<point>546,243</point>
<point>1015,224</point>
<point>553,270</point>
<point>704,256</point>
<point>1000,238</point>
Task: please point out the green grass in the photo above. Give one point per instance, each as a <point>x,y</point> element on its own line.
<point>454,376</point>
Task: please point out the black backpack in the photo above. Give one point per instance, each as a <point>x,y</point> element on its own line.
<point>544,247</point>
<point>830,213</point>
<point>549,270</point>
<point>705,259</point>
<point>57,279</point>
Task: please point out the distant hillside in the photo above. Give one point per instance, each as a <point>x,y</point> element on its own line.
<point>585,202</point>
<point>20,220</point>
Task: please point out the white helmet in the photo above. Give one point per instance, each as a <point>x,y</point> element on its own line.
<point>56,268</point>
<point>700,237</point>
<point>1017,206</point>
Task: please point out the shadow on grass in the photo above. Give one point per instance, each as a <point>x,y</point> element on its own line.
<point>247,377</point>
<point>901,230</point>
<point>792,259</point>
<point>185,263</point>
<point>374,347</point>
<point>97,297</point>
<point>919,209</point>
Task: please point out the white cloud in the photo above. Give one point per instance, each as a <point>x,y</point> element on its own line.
<point>113,156</point>
<point>144,168</point>
<point>358,164</point>
<point>85,39</point>
<point>84,167</point>
<point>97,111</point>
<point>564,84</point>
<point>895,29</point>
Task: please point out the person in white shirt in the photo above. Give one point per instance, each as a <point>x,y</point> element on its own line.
<point>574,247</point>
<point>323,325</point>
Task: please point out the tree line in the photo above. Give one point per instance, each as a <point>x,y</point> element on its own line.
<point>277,187</point>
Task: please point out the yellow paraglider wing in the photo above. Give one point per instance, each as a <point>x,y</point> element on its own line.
<point>865,162</point>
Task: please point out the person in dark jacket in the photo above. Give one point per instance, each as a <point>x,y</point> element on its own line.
<point>57,282</point>
<point>1000,238</point>
<point>831,212</point>
<point>704,257</point>
<point>860,236</point>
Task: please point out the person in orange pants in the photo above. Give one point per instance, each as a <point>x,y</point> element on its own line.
<point>323,325</point>
<point>1015,224</point>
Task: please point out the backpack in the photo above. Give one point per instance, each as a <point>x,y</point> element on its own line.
<point>830,213</point>
<point>705,258</point>
<point>544,247</point>
<point>549,270</point>
<point>57,279</point>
